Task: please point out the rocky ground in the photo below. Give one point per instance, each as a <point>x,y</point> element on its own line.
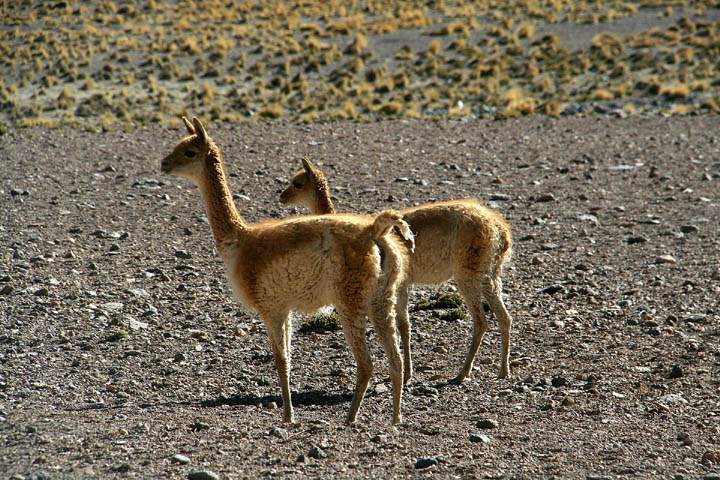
<point>123,355</point>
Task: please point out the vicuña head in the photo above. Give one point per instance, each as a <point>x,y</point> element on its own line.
<point>303,263</point>
<point>309,188</point>
<point>188,157</point>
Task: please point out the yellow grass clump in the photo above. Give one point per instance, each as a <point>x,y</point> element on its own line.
<point>675,90</point>
<point>602,94</point>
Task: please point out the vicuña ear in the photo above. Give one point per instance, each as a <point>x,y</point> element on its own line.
<point>200,130</point>
<point>309,168</point>
<point>188,125</point>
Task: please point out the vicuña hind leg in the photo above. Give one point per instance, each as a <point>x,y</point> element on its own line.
<point>354,330</point>
<point>278,333</point>
<point>403,323</point>
<point>493,294</point>
<point>471,292</point>
<point>383,318</point>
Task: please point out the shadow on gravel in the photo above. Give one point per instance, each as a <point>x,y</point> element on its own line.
<point>312,397</point>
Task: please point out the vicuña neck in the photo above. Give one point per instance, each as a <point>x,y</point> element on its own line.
<point>224,218</point>
<point>323,202</point>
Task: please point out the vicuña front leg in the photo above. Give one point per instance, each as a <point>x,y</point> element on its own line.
<point>278,332</point>
<point>354,330</point>
<point>470,289</point>
<point>493,294</point>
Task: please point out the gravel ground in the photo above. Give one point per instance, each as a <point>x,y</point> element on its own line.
<point>123,354</point>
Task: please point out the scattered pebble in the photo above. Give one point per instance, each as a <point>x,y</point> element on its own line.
<point>499,197</point>
<point>689,229</point>
<point>684,438</point>
<point>637,239</point>
<point>179,458</point>
<point>559,381</point>
<point>280,433</point>
<point>711,457</point>
<point>203,475</point>
<point>317,452</point>
<point>547,197</point>
<point>487,424</point>
<point>184,254</point>
<point>479,438</point>
<point>665,259</point>
<point>198,426</point>
<point>676,372</point>
<point>425,462</point>
<point>552,289</point>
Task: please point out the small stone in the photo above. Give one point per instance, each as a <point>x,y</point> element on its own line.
<point>559,381</point>
<point>676,372</point>
<point>114,247</point>
<point>638,239</point>
<point>479,438</point>
<point>317,452</point>
<point>271,406</point>
<point>552,289</point>
<point>665,259</point>
<point>41,292</point>
<point>198,426</point>
<point>425,462</point>
<point>136,324</point>
<point>711,476</point>
<point>184,254</point>
<point>547,197</point>
<point>203,475</point>
<point>280,433</point>
<point>588,218</point>
<point>711,457</point>
<point>487,424</point>
<point>179,458</point>
<point>689,229</point>
<point>684,438</point>
<point>499,197</point>
<point>6,290</point>
<point>567,402</point>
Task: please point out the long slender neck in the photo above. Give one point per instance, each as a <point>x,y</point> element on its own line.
<point>323,202</point>
<point>224,218</point>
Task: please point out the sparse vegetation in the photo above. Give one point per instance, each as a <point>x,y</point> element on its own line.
<point>321,323</point>
<point>445,301</point>
<point>455,51</point>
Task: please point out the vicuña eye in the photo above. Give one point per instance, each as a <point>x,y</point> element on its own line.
<point>298,185</point>
<point>190,153</point>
